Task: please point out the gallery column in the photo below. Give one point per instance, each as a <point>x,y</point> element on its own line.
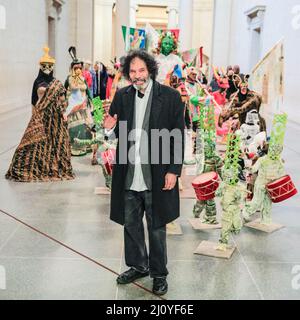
<point>122,19</point>
<point>186,15</point>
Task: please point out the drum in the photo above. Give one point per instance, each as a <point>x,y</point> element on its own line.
<point>108,158</point>
<point>205,185</point>
<point>281,189</point>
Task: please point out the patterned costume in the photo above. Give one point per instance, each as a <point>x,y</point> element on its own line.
<point>167,58</point>
<point>44,152</point>
<point>232,193</point>
<point>243,102</point>
<point>207,160</point>
<point>78,111</point>
<point>99,141</point>
<point>269,168</point>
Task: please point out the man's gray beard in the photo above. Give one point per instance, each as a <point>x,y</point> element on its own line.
<point>143,86</point>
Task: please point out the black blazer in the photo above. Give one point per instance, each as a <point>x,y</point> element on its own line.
<point>167,112</point>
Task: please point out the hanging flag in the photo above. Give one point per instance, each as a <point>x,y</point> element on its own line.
<point>134,38</point>
<point>177,71</point>
<point>152,38</point>
<point>193,57</point>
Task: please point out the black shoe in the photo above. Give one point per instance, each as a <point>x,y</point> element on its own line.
<point>130,276</point>
<point>160,286</point>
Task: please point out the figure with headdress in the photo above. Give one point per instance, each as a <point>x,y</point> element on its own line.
<point>167,57</point>
<point>242,102</point>
<point>253,146</point>
<point>207,160</point>
<point>44,78</point>
<point>44,152</point>
<point>269,168</point>
<point>231,191</point>
<point>105,148</point>
<point>78,111</point>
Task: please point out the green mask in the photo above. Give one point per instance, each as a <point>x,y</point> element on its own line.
<point>167,45</point>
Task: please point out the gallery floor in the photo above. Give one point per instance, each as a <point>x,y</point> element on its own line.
<point>57,242</point>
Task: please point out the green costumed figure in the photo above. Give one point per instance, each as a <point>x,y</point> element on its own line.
<point>167,57</point>
<point>207,159</point>
<point>269,168</point>
<point>231,191</point>
<point>99,140</point>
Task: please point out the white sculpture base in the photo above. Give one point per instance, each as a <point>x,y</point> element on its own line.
<point>269,228</point>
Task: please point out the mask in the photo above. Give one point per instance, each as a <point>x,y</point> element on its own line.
<point>167,45</point>
<point>252,117</point>
<point>47,68</point>
<point>77,71</point>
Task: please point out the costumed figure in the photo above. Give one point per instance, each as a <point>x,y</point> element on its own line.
<point>44,78</point>
<point>231,71</point>
<point>88,76</point>
<point>207,160</point>
<point>220,98</point>
<point>231,191</point>
<point>78,110</point>
<point>105,148</point>
<point>44,152</point>
<point>270,168</point>
<point>222,81</point>
<point>197,96</point>
<point>253,146</point>
<point>243,101</point>
<point>167,58</point>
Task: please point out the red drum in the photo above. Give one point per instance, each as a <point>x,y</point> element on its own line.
<point>281,189</point>
<point>108,158</point>
<point>205,185</point>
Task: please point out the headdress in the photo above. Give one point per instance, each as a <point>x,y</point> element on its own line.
<point>46,58</point>
<point>277,136</point>
<point>73,54</point>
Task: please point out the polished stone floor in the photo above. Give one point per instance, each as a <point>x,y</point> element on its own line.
<point>57,242</point>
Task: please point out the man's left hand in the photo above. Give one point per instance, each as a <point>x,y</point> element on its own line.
<point>170,181</point>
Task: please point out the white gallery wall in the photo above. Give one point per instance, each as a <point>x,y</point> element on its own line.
<point>21,43</point>
<point>232,41</point>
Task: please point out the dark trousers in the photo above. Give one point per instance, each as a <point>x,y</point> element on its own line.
<point>136,255</point>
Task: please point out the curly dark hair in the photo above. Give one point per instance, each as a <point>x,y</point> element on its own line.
<point>143,55</point>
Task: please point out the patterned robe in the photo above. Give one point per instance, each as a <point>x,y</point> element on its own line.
<point>44,152</point>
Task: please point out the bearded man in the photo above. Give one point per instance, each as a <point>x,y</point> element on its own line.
<point>145,181</point>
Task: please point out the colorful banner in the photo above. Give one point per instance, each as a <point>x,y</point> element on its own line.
<point>134,38</point>
<point>268,77</point>
<point>193,57</point>
<point>152,38</point>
